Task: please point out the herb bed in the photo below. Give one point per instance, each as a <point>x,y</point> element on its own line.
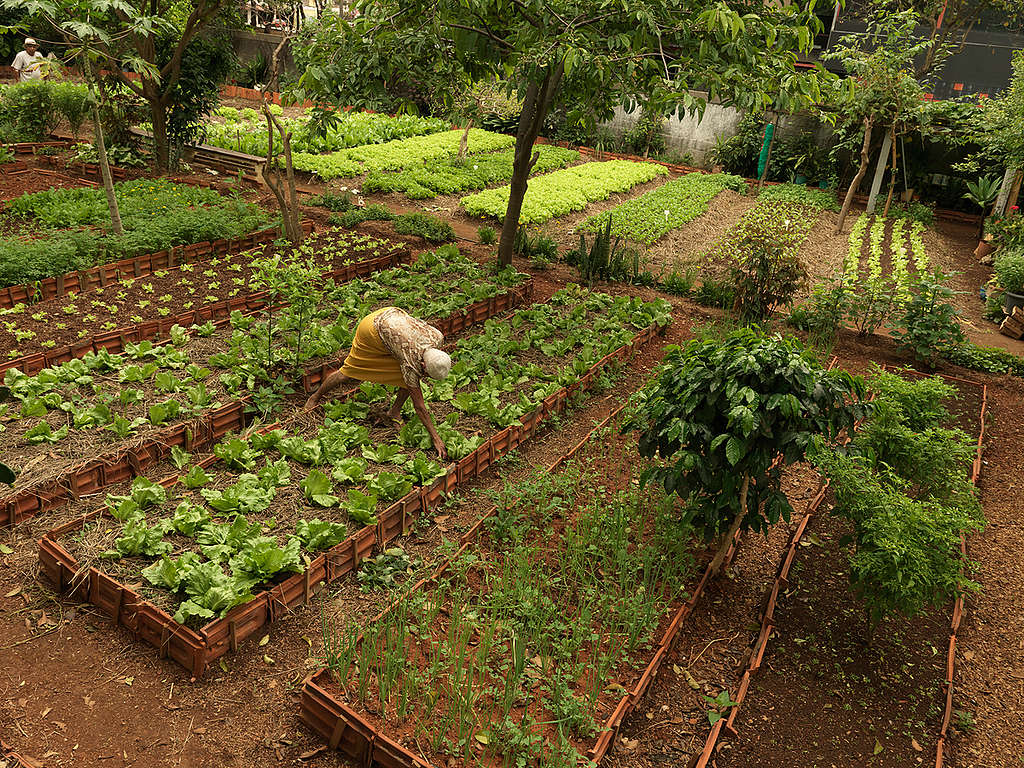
<point>196,650</point>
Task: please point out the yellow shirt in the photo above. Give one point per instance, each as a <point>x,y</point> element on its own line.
<point>388,348</point>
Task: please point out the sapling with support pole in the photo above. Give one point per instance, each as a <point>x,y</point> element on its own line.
<point>283,189</point>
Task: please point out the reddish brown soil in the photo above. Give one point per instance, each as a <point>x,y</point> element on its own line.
<point>83,693</point>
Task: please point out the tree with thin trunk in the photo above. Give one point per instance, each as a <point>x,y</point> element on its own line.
<point>282,185</point>
<point>734,52</point>
<point>724,418</point>
<point>883,88</point>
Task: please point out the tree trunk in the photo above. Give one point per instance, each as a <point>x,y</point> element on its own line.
<point>161,148</point>
<point>723,547</point>
<point>108,180</point>
<point>892,180</point>
<point>284,191</point>
<point>464,141</point>
<point>536,103</point>
<point>868,123</point>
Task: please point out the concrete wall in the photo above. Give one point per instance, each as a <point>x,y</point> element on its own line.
<point>696,135</point>
<point>248,45</point>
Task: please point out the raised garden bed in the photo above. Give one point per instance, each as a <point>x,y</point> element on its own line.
<point>127,462</point>
<point>197,649</point>
<point>106,318</point>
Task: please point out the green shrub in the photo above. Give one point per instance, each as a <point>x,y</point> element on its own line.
<point>430,228</point>
<point>914,210</point>
<point>1009,269</point>
<point>679,283</point>
<point>713,292</point>
<point>823,313</point>
<point>987,359</point>
<point>353,216</point>
<point>487,235</point>
<point>27,111</point>
<point>929,322</point>
<point>332,201</point>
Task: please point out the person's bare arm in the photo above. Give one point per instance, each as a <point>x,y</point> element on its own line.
<point>421,410</point>
<point>332,382</point>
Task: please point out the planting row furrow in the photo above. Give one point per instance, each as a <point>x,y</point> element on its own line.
<point>647,218</point>
<point>564,191</point>
<point>339,484</point>
<point>89,405</point>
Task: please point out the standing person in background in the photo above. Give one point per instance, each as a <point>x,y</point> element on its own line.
<point>29,63</point>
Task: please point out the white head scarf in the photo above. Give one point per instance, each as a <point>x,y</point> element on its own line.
<point>437,363</point>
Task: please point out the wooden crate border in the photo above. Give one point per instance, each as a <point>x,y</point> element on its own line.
<point>220,636</point>
<point>220,313</point>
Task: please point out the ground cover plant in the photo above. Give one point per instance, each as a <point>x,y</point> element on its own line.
<point>570,189</point>
<point>397,154</point>
<point>342,466</point>
<point>449,176</point>
<point>87,405</point>
<point>516,651</point>
<point>647,218</point>
<point>800,194</point>
<point>245,130</point>
<point>61,230</point>
<point>31,328</point>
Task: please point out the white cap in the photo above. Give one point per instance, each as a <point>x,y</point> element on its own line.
<point>31,41</point>
<point>437,363</point>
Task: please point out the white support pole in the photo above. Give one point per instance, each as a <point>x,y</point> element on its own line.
<point>883,161</point>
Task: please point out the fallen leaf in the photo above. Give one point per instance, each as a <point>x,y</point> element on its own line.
<point>878,747</point>
<point>264,640</point>
<point>690,681</point>
<point>199,730</point>
<point>223,665</point>
<point>13,592</point>
<point>4,549</point>
<point>968,655</point>
<point>46,712</point>
<point>129,680</point>
<point>267,659</point>
<point>483,737</point>
<point>917,747</point>
<point>615,688</point>
<point>312,753</point>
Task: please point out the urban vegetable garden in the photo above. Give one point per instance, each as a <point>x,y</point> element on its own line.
<point>727,461</point>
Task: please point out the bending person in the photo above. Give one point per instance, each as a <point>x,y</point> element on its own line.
<point>394,348</point>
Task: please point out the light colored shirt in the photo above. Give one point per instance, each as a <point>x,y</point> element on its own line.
<point>28,66</point>
<point>407,338</point>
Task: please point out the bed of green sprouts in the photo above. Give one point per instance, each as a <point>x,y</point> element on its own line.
<point>523,645</point>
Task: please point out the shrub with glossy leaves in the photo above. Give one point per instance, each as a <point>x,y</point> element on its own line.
<point>724,410</point>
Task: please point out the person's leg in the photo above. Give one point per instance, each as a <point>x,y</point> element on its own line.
<point>332,382</point>
<point>396,410</point>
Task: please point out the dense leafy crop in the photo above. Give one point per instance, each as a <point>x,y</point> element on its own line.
<point>398,154</point>
<point>245,130</point>
<point>798,194</point>
<point>570,189</point>
<point>646,218</point>
<point>447,177</point>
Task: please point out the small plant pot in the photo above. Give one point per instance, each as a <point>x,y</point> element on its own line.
<point>1011,300</point>
<point>822,185</point>
<point>984,249</point>
<point>799,179</point>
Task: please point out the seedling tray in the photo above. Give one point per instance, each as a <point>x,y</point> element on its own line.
<point>197,650</point>
<point>200,433</point>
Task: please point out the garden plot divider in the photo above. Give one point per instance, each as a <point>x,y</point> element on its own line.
<point>219,313</point>
<point>197,650</point>
<point>139,266</point>
<point>345,729</point>
<point>782,581</point>
<point>198,434</point>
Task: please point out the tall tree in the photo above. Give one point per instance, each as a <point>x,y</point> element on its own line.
<point>144,48</point>
<point>885,90</point>
<point>739,52</point>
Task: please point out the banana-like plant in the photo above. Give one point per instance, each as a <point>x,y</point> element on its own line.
<point>983,193</point>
